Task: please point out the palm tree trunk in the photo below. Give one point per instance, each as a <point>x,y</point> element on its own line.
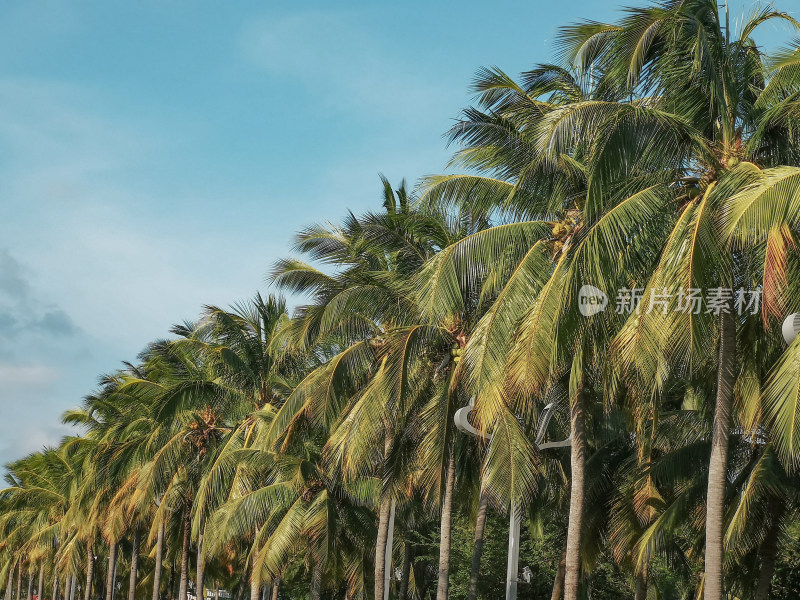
<point>316,582</point>
<point>275,589</point>
<point>19,581</point>
<point>72,585</point>
<point>477,547</point>
<point>572,563</point>
<point>55,588</point>
<point>254,581</point>
<point>10,583</point>
<point>383,525</point>
<point>198,581</point>
<point>134,565</point>
<point>380,548</point>
<point>67,587</point>
<point>187,532</point>
<point>558,584</point>
<point>403,593</point>
<point>718,464</point>
<point>444,538</point>
<point>640,591</point>
<point>30,583</point>
<point>768,552</point>
<point>40,587</point>
<point>112,565</point>
<point>87,592</point>
<point>114,580</point>
<point>216,590</point>
<point>159,560</point>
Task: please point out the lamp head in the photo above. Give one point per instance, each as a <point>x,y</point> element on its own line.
<point>791,327</point>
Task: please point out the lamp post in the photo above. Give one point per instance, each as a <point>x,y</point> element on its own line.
<point>462,423</point>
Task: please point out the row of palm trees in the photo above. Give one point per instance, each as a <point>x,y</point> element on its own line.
<point>659,162</point>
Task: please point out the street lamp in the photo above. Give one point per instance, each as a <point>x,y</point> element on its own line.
<point>462,423</point>
<point>791,327</point>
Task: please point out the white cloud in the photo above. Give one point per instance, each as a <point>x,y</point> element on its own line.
<point>12,376</point>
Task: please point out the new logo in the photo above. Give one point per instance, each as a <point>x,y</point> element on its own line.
<point>591,300</point>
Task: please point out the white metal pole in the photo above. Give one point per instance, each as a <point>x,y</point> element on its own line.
<point>387,565</point>
<point>512,573</point>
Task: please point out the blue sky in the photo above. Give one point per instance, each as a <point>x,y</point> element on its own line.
<point>156,156</point>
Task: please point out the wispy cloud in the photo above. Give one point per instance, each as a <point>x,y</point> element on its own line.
<point>345,65</point>
<point>36,376</point>
<point>21,312</point>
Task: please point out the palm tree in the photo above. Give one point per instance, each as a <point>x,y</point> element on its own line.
<point>357,310</point>
<point>531,346</point>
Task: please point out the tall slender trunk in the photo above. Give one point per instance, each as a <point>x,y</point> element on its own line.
<point>255,581</point>
<point>768,552</point>
<point>403,593</point>
<point>477,546</point>
<point>572,563</point>
<point>198,580</point>
<point>383,523</point>
<point>112,564</point>
<point>134,565</point>
<point>30,582</point>
<point>40,587</point>
<point>216,590</point>
<point>316,581</point>
<point>718,463</point>
<point>447,519</point>
<point>73,584</point>
<point>187,532</point>
<point>114,578</point>
<point>276,586</point>
<point>55,588</point>
<point>640,591</point>
<point>68,585</point>
<point>10,583</point>
<point>19,581</point>
<point>87,592</point>
<point>380,547</point>
<point>558,584</point>
<point>159,561</point>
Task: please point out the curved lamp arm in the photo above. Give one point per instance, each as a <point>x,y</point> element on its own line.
<point>461,419</point>
<point>544,421</point>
